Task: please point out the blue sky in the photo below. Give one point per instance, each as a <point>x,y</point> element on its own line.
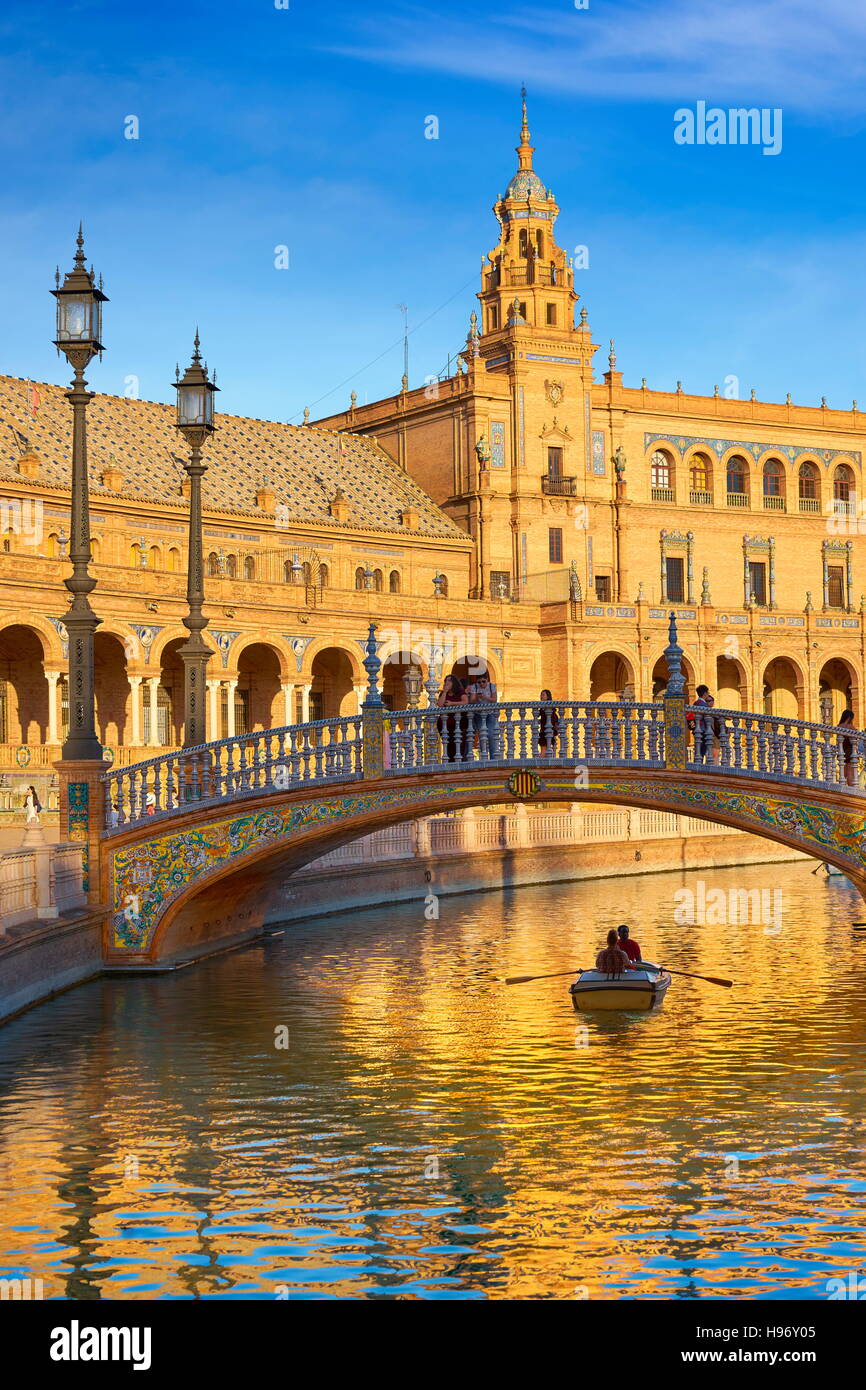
<point>304,127</point>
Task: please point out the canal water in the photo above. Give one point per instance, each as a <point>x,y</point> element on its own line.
<point>359,1108</point>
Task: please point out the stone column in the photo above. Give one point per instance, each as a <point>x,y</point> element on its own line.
<point>230,718</point>
<point>52,678</point>
<point>135,702</point>
<point>422,837</point>
<point>360,692</point>
<point>213,718</point>
<point>288,702</point>
<point>469,831</point>
<point>521,825</point>
<point>152,688</point>
<point>305,702</point>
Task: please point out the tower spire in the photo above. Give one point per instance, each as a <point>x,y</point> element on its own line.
<point>525,151</point>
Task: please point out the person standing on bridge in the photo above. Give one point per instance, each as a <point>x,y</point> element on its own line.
<point>483,692</point>
<point>849,749</point>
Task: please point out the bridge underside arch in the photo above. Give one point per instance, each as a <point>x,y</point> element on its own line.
<point>208,880</point>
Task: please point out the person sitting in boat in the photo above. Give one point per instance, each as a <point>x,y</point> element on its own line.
<point>626,944</point>
<point>612,960</point>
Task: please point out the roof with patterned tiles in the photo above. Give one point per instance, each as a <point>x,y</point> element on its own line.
<point>302,465</point>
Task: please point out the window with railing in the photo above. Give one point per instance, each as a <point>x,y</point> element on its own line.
<point>700,481</point>
<point>843,490</point>
<point>554,545</point>
<point>774,485</point>
<point>808,487</point>
<point>737,481</point>
<point>662,477</point>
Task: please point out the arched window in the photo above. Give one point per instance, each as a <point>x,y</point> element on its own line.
<point>843,484</point>
<point>249,567</point>
<point>324,576</point>
<point>213,564</point>
<point>52,548</point>
<point>135,556</point>
<point>153,557</point>
<point>378,581</point>
<point>661,477</point>
<point>737,481</point>
<point>809,487</point>
<point>94,550</point>
<point>394,582</point>
<point>700,479</point>
<point>232,567</point>
<point>774,485</point>
<point>523,248</point>
<point>174,560</point>
<point>359,577</point>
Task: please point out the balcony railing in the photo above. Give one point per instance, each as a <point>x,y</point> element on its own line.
<point>738,499</point>
<point>542,275</point>
<point>844,507</point>
<point>773,503</point>
<point>663,494</point>
<point>701,499</point>
<point>810,504</point>
<point>559,487</point>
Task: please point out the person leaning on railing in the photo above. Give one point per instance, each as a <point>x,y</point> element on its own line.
<point>548,725</point>
<point>452,727</point>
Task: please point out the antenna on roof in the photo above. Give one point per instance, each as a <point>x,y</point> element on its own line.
<point>405,311</point>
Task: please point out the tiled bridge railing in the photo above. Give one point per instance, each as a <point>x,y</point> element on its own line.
<point>379,743</point>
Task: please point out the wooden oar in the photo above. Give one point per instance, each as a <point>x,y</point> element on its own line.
<point>524,979</point>
<point>710,979</point>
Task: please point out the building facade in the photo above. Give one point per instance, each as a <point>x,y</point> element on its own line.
<point>520,514</point>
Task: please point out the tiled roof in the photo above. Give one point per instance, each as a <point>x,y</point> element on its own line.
<point>302,465</point>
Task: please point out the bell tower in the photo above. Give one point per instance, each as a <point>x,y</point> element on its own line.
<point>527,278</point>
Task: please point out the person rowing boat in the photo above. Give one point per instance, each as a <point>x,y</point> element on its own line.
<point>612,960</point>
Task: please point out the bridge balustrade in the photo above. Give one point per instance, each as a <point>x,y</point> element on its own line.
<point>323,751</point>
<point>576,734</point>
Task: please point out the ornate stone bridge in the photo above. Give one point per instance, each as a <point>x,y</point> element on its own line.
<point>193,844</point>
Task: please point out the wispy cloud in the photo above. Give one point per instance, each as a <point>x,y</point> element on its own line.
<point>770,52</point>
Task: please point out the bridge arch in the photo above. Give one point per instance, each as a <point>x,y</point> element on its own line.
<point>215,877</point>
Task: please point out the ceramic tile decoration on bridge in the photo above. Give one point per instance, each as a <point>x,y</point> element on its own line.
<point>167,832</point>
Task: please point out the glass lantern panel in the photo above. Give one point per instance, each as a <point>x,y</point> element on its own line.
<point>73,318</point>
<point>191,400</point>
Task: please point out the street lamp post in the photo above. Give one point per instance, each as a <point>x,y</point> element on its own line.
<point>195,393</point>
<point>79,338</point>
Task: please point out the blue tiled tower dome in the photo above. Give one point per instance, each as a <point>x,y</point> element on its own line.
<point>525,184</point>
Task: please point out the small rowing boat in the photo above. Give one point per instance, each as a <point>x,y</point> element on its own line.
<point>635,991</point>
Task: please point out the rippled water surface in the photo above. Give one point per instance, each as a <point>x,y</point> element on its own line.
<point>429,1133</point>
